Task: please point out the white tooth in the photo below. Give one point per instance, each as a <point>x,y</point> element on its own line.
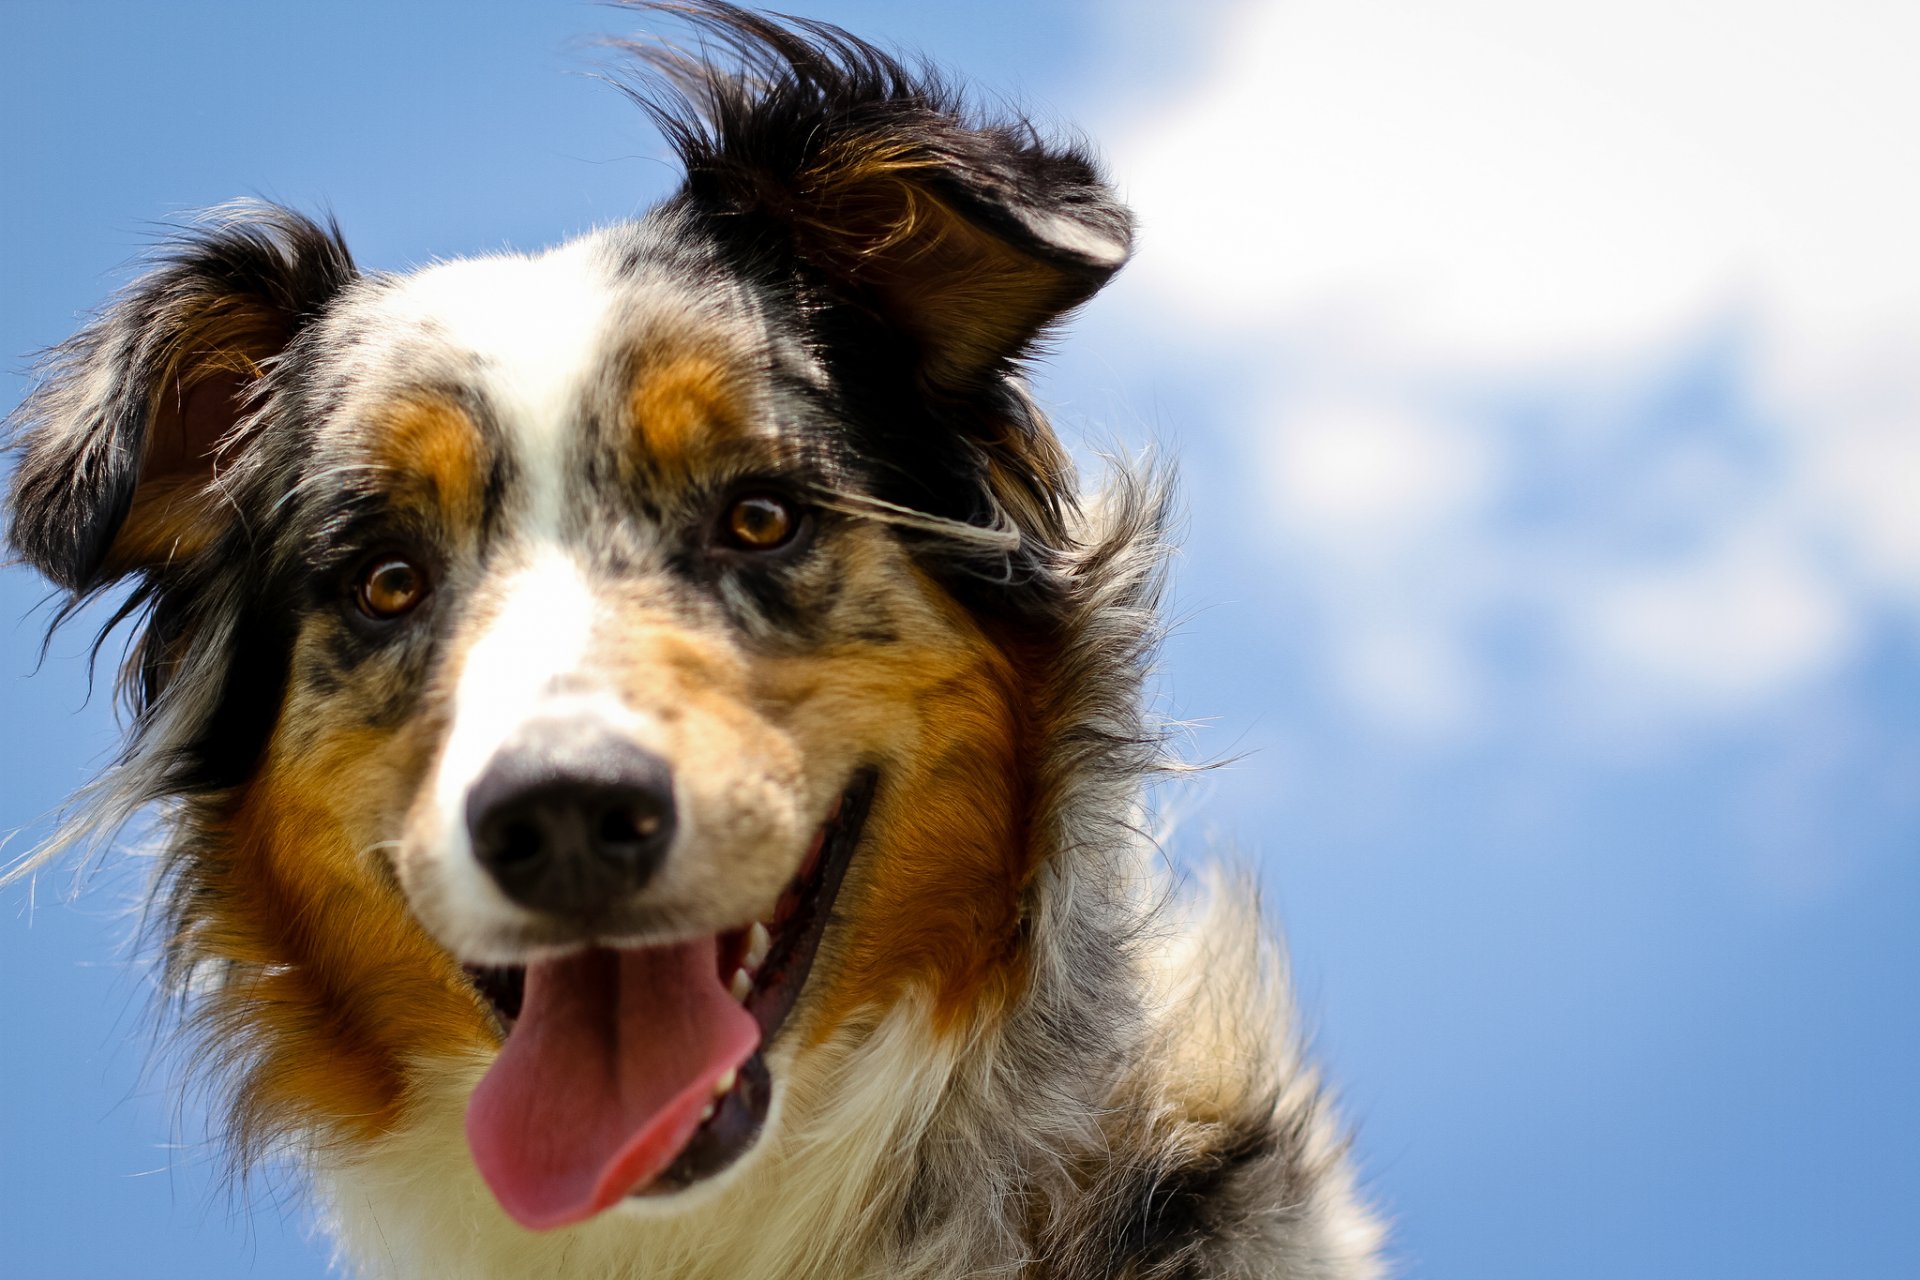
<point>724,1085</point>
<point>742,985</point>
<point>759,942</point>
<point>706,1113</point>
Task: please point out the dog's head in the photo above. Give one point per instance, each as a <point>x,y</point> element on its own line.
<point>554,645</point>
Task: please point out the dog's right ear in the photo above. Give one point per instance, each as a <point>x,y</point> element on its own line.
<point>121,444</point>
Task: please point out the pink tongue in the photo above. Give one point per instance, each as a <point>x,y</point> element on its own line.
<point>603,1079</point>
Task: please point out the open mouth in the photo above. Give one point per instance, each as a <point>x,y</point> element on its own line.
<point>641,1070</point>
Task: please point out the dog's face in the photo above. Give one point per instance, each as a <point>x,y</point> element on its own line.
<point>605,656</point>
<point>613,624</point>
<point>550,649</point>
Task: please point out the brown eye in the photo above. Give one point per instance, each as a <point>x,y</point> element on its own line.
<point>761,522</point>
<point>390,586</point>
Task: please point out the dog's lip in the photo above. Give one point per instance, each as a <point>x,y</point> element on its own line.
<point>766,964</point>
<point>804,911</point>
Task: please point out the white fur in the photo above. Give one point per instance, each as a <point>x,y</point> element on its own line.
<point>540,635</point>
<point>539,328</point>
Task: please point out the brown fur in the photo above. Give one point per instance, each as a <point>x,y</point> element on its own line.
<point>435,459</point>
<point>938,903</point>
<point>333,990</point>
<point>966,295</point>
<point>684,399</point>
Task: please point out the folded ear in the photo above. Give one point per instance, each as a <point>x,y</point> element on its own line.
<point>969,237</point>
<point>122,440</point>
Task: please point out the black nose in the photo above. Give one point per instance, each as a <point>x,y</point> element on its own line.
<point>571,819</point>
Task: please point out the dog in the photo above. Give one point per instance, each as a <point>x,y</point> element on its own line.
<point>649,734</point>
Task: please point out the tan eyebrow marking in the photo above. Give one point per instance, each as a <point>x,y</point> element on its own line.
<point>681,403</point>
<point>435,445</point>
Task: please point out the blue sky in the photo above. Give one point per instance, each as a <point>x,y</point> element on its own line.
<point>1544,389</point>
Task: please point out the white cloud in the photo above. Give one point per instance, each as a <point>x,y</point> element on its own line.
<point>1743,619</point>
<point>1357,475</point>
<point>1357,201</point>
<point>1854,446</point>
<point>1505,179</point>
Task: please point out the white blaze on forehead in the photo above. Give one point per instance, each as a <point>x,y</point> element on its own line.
<point>539,636</point>
<point>538,327</point>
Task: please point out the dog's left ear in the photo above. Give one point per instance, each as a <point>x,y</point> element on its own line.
<point>121,445</point>
<point>969,238</point>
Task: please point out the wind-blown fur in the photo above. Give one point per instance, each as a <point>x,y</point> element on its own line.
<point>1092,1076</point>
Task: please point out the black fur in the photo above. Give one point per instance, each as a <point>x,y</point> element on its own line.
<point>84,443</point>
